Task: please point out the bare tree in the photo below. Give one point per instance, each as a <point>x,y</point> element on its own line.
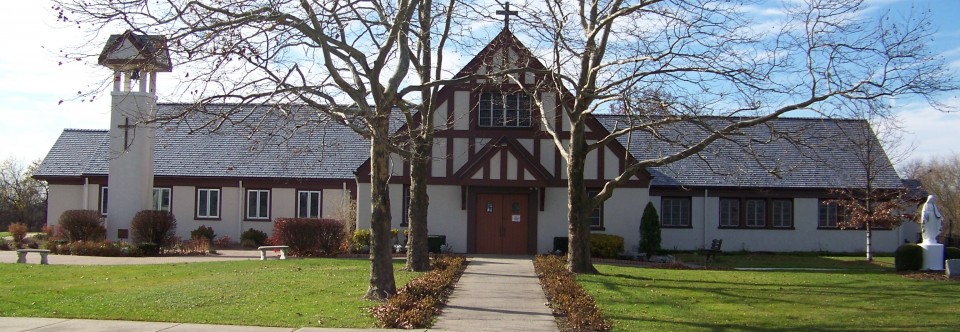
<point>22,198</point>
<point>346,59</point>
<point>427,61</point>
<point>711,59</point>
<point>868,201</point>
<point>941,177</point>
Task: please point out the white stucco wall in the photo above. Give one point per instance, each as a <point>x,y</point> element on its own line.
<point>552,221</point>
<point>63,197</point>
<point>805,236</point>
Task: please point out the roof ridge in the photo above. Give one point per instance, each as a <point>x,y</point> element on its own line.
<point>827,119</point>
<point>86,130</point>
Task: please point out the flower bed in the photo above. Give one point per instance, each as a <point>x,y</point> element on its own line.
<point>416,303</point>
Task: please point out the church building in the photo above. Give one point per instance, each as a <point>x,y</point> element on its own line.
<point>497,183</point>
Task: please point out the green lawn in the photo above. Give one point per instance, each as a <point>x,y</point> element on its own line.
<point>860,299</point>
<point>287,293</point>
<point>754,260</point>
<point>4,234</point>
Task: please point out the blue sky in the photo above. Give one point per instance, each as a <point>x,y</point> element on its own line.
<point>32,83</point>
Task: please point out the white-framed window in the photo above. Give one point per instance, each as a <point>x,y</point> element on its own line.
<point>103,200</point>
<point>596,217</point>
<point>782,213</point>
<point>208,203</point>
<point>161,199</point>
<point>510,110</point>
<point>675,211</point>
<point>308,203</point>
<point>729,212</point>
<point>756,213</point>
<point>829,214</point>
<point>258,204</point>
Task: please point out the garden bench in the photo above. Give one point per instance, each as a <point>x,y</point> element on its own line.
<point>22,255</point>
<point>282,249</point>
<point>709,254</point>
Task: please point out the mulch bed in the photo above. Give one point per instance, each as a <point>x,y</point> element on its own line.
<point>927,275</point>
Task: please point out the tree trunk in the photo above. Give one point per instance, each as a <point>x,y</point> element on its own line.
<point>578,205</point>
<point>869,244</point>
<point>418,256</point>
<point>382,284</point>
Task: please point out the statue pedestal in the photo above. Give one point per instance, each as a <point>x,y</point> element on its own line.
<point>932,256</point>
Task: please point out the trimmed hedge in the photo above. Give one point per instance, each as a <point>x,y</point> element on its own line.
<point>951,253</point>
<point>154,227</point>
<point>308,237</point>
<point>909,257</point>
<point>82,225</point>
<point>605,245</point>
<point>567,296</point>
<point>419,300</point>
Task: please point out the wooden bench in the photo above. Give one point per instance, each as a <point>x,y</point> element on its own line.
<point>710,254</point>
<point>22,255</point>
<point>282,249</point>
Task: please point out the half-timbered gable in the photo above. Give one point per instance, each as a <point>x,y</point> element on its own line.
<point>492,145</point>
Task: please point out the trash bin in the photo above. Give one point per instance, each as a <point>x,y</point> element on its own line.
<point>560,244</point>
<point>435,242</point>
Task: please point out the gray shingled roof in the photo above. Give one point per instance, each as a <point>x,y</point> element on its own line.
<point>290,143</point>
<point>71,154</point>
<point>266,144</point>
<point>784,153</point>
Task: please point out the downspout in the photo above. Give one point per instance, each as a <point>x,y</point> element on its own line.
<point>703,229</point>
<point>356,207</point>
<point>86,193</point>
<point>240,210</point>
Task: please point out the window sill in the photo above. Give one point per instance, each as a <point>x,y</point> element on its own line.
<point>676,227</point>
<point>258,220</point>
<point>208,218</point>
<point>759,228</point>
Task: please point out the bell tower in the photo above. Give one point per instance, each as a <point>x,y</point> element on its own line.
<point>135,60</point>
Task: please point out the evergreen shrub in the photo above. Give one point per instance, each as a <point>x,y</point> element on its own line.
<point>82,225</point>
<point>203,232</point>
<point>650,231</point>
<point>362,237</point>
<point>909,257</point>
<point>605,245</point>
<point>253,238</point>
<point>951,253</point>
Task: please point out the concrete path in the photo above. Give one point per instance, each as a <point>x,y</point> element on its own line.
<point>16,324</point>
<point>497,294</point>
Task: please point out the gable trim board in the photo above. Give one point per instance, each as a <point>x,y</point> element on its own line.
<point>290,150</point>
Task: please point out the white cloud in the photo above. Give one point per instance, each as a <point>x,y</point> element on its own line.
<point>933,132</point>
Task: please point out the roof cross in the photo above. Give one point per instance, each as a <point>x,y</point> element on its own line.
<point>126,126</point>
<point>506,12</point>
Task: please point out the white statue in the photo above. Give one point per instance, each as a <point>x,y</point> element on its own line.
<point>931,221</point>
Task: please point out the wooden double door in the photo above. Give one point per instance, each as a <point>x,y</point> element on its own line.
<point>502,224</point>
